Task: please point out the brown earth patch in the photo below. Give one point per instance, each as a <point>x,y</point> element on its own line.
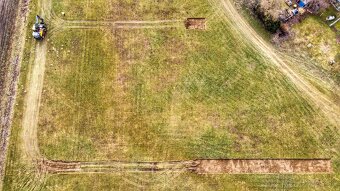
<point>200,166</point>
<point>57,166</point>
<point>264,166</point>
<point>195,23</point>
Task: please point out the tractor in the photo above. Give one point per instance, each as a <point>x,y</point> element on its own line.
<point>39,28</point>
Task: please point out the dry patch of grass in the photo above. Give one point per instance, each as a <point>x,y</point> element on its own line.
<point>316,38</point>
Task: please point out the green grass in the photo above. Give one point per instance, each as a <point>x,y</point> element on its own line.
<point>166,94</point>
<point>187,181</point>
<point>331,11</point>
<point>130,10</point>
<point>169,94</point>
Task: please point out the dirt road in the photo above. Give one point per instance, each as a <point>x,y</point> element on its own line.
<point>30,117</point>
<point>330,109</point>
<point>32,100</point>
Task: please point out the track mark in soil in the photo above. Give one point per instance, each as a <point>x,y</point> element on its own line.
<point>83,24</point>
<point>66,167</point>
<point>201,166</point>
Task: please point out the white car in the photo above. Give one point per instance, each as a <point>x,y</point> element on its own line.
<point>330,18</point>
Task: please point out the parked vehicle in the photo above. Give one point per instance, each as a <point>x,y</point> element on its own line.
<point>330,18</point>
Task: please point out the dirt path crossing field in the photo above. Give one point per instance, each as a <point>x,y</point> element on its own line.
<point>31,112</point>
<point>32,100</point>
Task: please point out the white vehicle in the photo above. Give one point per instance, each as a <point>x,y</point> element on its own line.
<point>330,18</point>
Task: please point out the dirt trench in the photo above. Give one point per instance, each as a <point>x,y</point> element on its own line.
<point>265,166</point>
<point>200,166</point>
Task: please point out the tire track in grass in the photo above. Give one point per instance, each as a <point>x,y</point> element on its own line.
<point>61,24</point>
<point>149,24</point>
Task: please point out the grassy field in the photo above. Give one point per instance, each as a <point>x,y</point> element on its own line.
<point>187,181</point>
<point>151,94</point>
<point>165,94</point>
<point>130,10</point>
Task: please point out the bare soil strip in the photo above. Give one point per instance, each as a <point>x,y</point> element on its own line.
<point>330,109</point>
<point>270,166</point>
<point>202,166</point>
<point>77,22</point>
<point>64,167</point>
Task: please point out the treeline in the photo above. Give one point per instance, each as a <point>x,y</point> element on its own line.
<point>271,24</point>
<point>264,10</point>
